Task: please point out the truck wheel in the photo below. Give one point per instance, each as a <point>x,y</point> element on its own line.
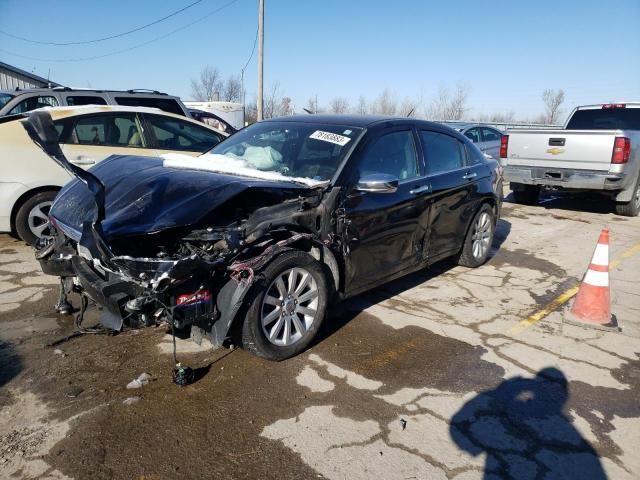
<point>477,243</point>
<point>631,208</point>
<point>525,194</point>
<point>32,219</point>
<point>286,308</point>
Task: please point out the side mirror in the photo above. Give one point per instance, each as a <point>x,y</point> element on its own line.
<point>378,183</point>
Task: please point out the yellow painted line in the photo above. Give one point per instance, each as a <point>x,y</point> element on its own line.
<point>629,253</point>
<point>565,296</point>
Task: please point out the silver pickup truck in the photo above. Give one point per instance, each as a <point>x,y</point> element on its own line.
<point>596,151</point>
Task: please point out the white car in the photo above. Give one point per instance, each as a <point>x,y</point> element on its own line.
<point>88,134</point>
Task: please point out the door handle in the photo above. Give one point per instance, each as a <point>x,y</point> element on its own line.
<point>424,189</point>
<point>80,160</point>
<point>469,176</point>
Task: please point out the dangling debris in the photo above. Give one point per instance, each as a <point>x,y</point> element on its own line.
<point>182,375</point>
<point>141,381</point>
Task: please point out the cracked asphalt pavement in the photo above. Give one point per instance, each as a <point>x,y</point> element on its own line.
<point>445,374</point>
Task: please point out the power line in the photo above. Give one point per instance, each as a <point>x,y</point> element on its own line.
<point>102,39</point>
<point>94,57</point>
<point>255,41</point>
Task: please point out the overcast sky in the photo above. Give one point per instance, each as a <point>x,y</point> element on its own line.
<point>508,52</point>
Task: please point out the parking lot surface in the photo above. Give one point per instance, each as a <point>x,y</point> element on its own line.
<point>447,373</point>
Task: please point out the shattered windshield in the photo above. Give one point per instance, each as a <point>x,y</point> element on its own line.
<point>300,150</point>
<point>4,99</point>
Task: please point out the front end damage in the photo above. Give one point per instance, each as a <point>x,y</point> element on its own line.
<point>196,274</point>
<point>203,284</point>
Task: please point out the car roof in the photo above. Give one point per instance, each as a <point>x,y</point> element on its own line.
<point>139,91</point>
<point>361,121</point>
<point>632,104</point>
<point>58,113</point>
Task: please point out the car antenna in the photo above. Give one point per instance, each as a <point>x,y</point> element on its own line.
<point>410,112</point>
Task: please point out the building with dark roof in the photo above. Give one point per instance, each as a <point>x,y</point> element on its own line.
<point>12,77</point>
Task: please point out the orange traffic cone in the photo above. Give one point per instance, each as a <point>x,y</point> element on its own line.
<point>592,307</point>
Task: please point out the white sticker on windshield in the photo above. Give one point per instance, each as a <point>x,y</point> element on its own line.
<point>330,137</point>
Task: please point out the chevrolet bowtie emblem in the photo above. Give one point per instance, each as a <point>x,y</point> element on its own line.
<point>555,151</point>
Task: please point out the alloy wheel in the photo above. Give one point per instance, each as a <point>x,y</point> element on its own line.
<point>289,307</point>
<point>481,236</point>
<point>39,219</point>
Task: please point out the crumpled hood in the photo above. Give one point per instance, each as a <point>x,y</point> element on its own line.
<point>144,196</point>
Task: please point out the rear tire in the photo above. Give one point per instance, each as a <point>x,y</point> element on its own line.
<point>525,194</point>
<point>477,243</point>
<point>632,207</point>
<point>286,308</point>
<point>32,220</point>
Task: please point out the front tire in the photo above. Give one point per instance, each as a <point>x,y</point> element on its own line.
<point>479,239</point>
<point>632,207</point>
<point>32,219</point>
<point>286,308</point>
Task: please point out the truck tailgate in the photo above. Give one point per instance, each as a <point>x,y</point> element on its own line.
<point>573,149</point>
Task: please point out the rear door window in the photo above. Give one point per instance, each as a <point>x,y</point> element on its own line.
<point>75,100</point>
<point>116,130</point>
<point>166,104</point>
<point>31,103</point>
<point>490,135</point>
<point>442,152</point>
<point>473,134</point>
<point>175,134</point>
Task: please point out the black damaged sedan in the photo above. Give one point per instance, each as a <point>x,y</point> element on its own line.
<point>259,235</point>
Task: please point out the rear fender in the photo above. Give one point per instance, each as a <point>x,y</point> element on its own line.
<point>627,194</point>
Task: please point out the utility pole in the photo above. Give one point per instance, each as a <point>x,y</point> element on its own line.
<point>260,59</point>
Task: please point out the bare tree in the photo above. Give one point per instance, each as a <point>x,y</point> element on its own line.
<point>286,108</point>
<point>507,117</point>
<point>339,105</point>
<point>447,106</point>
<point>553,100</point>
<point>385,104</point>
<point>207,88</point>
<point>232,91</point>
<point>361,107</point>
<point>251,112</point>
<point>438,109</point>
<point>458,106</point>
<point>272,101</point>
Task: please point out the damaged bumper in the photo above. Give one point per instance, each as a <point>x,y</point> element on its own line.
<point>136,292</point>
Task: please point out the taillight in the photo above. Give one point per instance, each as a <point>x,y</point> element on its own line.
<point>613,105</point>
<point>504,144</point>
<point>621,150</point>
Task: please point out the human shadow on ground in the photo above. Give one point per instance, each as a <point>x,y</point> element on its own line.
<point>522,428</point>
<point>10,363</point>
